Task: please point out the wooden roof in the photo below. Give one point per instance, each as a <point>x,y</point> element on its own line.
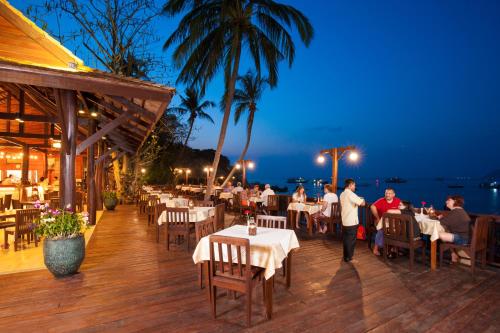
<point>36,66</point>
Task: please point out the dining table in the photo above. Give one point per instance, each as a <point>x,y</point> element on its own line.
<point>268,249</point>
<point>432,227</point>
<point>8,214</point>
<point>196,214</point>
<point>225,195</point>
<point>308,208</point>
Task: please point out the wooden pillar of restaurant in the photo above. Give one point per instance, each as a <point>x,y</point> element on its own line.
<point>98,177</point>
<point>67,105</point>
<point>25,165</point>
<point>335,169</point>
<point>91,184</point>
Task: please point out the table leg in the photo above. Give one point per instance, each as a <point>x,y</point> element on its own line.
<point>433,255</point>
<point>309,223</point>
<point>269,297</point>
<point>289,270</point>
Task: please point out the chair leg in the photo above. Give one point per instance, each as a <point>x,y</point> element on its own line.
<point>5,239</point>
<point>200,275</point>
<point>167,240</point>
<point>213,295</point>
<point>249,306</point>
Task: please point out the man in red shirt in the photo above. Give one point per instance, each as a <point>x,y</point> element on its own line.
<point>379,208</point>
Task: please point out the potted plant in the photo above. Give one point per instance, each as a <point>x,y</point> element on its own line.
<point>110,199</point>
<point>64,244</point>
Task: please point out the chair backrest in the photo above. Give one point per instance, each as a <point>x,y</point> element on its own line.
<point>479,239</point>
<point>204,203</point>
<point>268,221</point>
<point>220,213</point>
<point>398,227</point>
<point>177,217</point>
<point>237,200</point>
<point>153,200</point>
<point>234,247</point>
<point>144,197</point>
<point>2,208</point>
<point>55,203</point>
<point>16,204</point>
<point>7,201</point>
<point>272,202</point>
<point>25,219</point>
<point>159,209</point>
<point>204,228</point>
<point>335,211</point>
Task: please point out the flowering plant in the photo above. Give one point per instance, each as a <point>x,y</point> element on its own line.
<point>423,203</point>
<point>60,223</point>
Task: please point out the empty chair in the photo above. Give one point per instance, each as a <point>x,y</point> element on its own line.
<point>153,200</point>
<point>269,221</point>
<point>7,201</point>
<point>220,213</point>
<point>272,206</point>
<point>159,209</point>
<point>478,243</point>
<point>143,202</point>
<point>177,225</point>
<point>16,204</point>
<point>400,230</point>
<point>24,227</point>
<point>232,274</point>
<point>203,229</point>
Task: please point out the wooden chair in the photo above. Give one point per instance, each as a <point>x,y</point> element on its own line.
<point>220,213</point>
<point>203,229</point>
<point>334,222</point>
<point>143,202</point>
<point>269,221</point>
<point>159,209</point>
<point>2,207</point>
<point>479,243</point>
<point>7,201</point>
<point>79,201</point>
<point>153,200</point>
<point>24,227</point>
<point>232,275</point>
<point>177,224</point>
<point>204,203</point>
<point>16,204</point>
<point>272,204</point>
<point>399,231</point>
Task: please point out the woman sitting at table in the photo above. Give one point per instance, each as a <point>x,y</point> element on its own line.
<point>255,191</point>
<point>299,196</point>
<point>456,223</point>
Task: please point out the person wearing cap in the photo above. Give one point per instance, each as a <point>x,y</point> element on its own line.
<point>267,192</point>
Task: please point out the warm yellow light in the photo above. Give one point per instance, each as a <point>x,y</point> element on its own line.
<point>188,171</point>
<point>104,138</point>
<point>93,114</point>
<point>320,159</point>
<point>81,111</point>
<point>211,169</point>
<point>56,144</point>
<point>206,169</point>
<point>353,156</point>
<point>143,170</point>
<point>251,165</point>
<point>180,170</point>
<point>238,166</point>
<point>19,120</point>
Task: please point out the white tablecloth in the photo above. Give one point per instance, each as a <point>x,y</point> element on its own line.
<point>196,214</point>
<point>268,248</point>
<point>196,189</point>
<point>178,187</point>
<point>256,200</point>
<point>185,188</point>
<point>429,226</point>
<point>174,202</point>
<point>225,195</point>
<point>300,207</point>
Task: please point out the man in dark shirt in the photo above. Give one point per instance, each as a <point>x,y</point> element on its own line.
<point>456,224</point>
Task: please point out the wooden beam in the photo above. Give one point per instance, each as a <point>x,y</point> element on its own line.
<point>67,105</point>
<point>28,135</point>
<point>106,129</point>
<point>134,107</point>
<point>28,117</point>
<point>22,107</point>
<point>98,83</point>
<point>9,109</point>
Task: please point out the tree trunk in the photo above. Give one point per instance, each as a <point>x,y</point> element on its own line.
<point>231,85</point>
<point>191,123</point>
<point>244,152</point>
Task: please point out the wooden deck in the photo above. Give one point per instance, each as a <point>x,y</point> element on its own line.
<point>130,283</point>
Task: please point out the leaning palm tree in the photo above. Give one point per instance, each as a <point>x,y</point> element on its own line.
<point>212,34</point>
<point>245,99</point>
<point>191,105</point>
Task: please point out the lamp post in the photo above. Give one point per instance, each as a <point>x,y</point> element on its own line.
<point>336,154</point>
<point>208,170</point>
<point>244,164</point>
<point>186,171</point>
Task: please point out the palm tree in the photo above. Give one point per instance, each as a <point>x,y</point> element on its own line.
<point>212,34</point>
<point>191,105</point>
<point>245,98</point>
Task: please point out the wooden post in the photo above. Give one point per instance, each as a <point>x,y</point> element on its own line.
<point>335,169</point>
<point>68,114</point>
<point>26,165</point>
<point>91,186</point>
<point>98,177</point>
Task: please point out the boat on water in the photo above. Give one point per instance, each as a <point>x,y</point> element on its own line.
<point>490,185</point>
<point>298,180</point>
<point>455,186</point>
<point>395,180</point>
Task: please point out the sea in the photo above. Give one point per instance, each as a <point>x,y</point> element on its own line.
<point>432,191</point>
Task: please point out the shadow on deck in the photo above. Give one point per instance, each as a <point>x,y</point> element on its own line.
<point>128,282</point>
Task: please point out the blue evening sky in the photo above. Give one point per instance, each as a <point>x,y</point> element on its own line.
<point>413,84</point>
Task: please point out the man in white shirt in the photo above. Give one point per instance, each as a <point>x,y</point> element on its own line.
<point>349,203</point>
<point>326,208</point>
<point>267,192</point>
<point>237,189</point>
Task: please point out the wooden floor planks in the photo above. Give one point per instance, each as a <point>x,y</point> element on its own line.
<point>130,283</point>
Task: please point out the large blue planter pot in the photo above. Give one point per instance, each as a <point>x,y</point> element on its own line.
<point>64,256</point>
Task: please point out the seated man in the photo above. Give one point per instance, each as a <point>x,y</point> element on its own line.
<point>228,187</point>
<point>237,189</point>
<point>379,208</point>
<point>326,208</point>
<point>267,192</point>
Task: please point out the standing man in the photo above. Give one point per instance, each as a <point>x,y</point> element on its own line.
<point>379,208</point>
<point>349,203</point>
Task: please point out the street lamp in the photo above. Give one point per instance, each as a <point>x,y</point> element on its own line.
<point>244,164</point>
<point>336,154</point>
<point>186,171</point>
<point>208,170</point>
